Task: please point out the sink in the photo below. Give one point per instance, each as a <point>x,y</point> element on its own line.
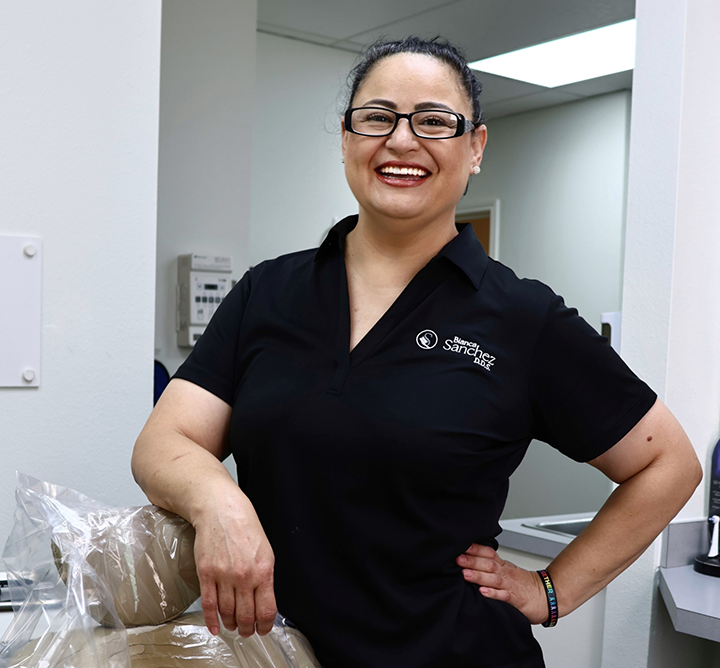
<point>570,528</point>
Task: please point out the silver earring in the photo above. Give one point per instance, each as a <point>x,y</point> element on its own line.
<point>476,170</point>
<point>342,159</point>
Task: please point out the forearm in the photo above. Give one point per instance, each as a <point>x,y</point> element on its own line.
<point>657,471</point>
<point>636,512</point>
<point>179,475</point>
<point>177,462</point>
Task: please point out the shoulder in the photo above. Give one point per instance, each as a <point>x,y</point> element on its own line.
<point>526,297</point>
<point>277,273</point>
<point>284,264</point>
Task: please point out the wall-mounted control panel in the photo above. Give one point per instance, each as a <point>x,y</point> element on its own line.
<point>203,282</point>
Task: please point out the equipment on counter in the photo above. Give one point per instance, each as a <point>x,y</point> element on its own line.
<point>710,564</point>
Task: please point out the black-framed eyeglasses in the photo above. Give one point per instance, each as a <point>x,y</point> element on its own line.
<point>426,123</point>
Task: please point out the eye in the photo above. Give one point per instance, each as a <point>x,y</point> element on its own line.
<point>436,119</point>
<point>375,116</point>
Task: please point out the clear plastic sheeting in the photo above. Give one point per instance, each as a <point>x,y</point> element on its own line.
<point>184,642</point>
<point>99,587</point>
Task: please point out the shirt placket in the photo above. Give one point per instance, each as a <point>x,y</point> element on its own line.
<point>420,287</point>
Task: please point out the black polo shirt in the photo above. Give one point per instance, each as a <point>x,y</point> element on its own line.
<point>372,470</point>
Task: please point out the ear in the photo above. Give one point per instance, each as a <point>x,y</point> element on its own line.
<point>478,141</point>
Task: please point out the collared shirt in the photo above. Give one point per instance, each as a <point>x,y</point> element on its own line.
<point>373,469</point>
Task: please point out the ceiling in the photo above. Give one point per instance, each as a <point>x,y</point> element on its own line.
<point>483,28</point>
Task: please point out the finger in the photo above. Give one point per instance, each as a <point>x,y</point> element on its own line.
<point>488,576</point>
<point>265,607</point>
<point>486,551</point>
<point>478,563</point>
<point>208,600</point>
<point>496,594</point>
<point>226,606</point>
<point>245,612</point>
<point>492,580</point>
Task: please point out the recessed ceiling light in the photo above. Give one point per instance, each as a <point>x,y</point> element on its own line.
<point>587,55</point>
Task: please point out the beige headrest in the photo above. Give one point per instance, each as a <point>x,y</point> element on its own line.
<point>144,558</point>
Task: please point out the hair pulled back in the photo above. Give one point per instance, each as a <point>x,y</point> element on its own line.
<point>438,48</point>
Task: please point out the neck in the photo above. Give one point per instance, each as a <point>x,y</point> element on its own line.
<point>397,248</point>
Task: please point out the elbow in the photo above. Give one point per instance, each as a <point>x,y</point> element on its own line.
<point>697,474</point>
<point>134,466</point>
<point>690,475</point>
<point>136,462</point>
<point>682,473</point>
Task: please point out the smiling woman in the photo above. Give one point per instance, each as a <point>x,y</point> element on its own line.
<point>377,393</point>
<point>386,134</point>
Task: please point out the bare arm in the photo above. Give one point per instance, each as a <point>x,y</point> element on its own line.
<point>656,469</point>
<point>177,462</point>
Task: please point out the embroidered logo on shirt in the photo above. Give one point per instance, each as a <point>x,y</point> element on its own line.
<point>463,347</point>
<point>427,339</point>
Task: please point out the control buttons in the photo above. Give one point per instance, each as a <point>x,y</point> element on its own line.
<point>28,375</point>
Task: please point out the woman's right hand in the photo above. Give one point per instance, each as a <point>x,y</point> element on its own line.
<point>235,565</point>
<point>178,463</point>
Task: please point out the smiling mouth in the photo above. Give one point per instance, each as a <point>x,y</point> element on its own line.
<point>403,172</point>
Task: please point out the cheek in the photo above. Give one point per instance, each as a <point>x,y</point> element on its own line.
<point>359,153</point>
<point>456,163</point>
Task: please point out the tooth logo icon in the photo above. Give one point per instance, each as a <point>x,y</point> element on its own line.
<point>427,339</point>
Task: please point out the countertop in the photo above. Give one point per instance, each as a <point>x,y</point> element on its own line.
<point>692,599</point>
<point>516,535</point>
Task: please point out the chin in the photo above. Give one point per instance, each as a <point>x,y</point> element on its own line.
<point>400,207</point>
<point>412,211</point>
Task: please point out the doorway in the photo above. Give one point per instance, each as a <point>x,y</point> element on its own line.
<point>486,225</point>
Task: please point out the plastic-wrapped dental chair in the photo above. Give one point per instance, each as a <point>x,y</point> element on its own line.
<point>100,587</point>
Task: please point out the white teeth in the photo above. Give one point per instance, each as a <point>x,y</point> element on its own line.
<point>403,171</point>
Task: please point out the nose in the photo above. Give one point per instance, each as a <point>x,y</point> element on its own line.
<point>402,139</point>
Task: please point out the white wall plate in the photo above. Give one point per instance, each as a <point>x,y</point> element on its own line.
<point>20,310</point>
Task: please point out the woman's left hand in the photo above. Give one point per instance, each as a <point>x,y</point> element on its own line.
<point>504,581</point>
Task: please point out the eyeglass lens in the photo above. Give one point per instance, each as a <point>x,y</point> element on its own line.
<point>378,122</point>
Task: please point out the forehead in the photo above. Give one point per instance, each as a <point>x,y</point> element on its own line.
<point>411,78</point>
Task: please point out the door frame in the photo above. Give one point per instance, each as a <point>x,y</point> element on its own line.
<point>491,207</point>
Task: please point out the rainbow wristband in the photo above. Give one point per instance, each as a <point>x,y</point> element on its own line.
<point>551,599</point>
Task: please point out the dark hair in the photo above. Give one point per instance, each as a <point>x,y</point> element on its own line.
<point>437,47</point>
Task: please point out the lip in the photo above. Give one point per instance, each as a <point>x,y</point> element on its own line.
<point>402,181</point>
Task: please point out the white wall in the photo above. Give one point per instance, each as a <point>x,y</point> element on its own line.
<point>671,301</point>
<point>249,158</point>
<point>298,181</point>
<point>560,175</point>
<point>78,131</point>
<point>249,146</point>
<point>235,177</point>
<point>206,130</point>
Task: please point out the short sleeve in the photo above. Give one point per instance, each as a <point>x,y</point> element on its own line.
<point>212,362</point>
<point>583,397</point>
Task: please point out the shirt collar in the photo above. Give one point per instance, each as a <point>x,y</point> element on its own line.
<point>335,239</point>
<point>465,250</point>
<point>467,253</point>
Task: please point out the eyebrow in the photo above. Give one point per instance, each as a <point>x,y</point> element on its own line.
<point>421,105</point>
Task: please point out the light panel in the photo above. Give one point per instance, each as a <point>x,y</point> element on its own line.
<point>563,61</point>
